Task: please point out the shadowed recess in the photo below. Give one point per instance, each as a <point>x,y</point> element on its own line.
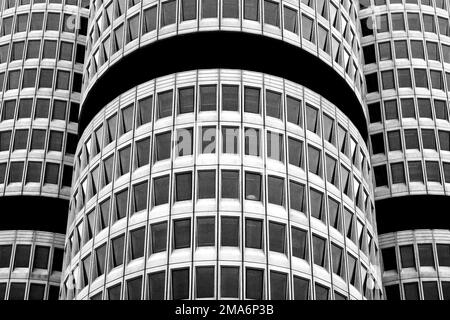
<point>413,212</point>
<point>33,213</point>
<point>220,49</point>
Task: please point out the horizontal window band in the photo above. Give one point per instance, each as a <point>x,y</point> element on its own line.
<point>34,213</point>
<point>232,50</point>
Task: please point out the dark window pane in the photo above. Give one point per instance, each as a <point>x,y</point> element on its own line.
<point>206,184</point>
<point>204,282</point>
<point>205,232</point>
<point>253,233</point>
<point>156,283</point>
<point>407,256</point>
<point>229,280</point>
<point>277,237</point>
<point>182,233</point>
<point>254,283</point>
<point>230,231</point>
<point>41,255</point>
<point>158,237</point>
<point>301,288</point>
<point>183,186</point>
<point>278,286</point>
<point>161,190</point>
<point>22,256</point>
<point>134,287</point>
<point>230,184</point>
<point>180,284</point>
<point>426,255</point>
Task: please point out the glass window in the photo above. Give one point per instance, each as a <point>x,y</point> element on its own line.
<point>251,10</point>
<point>254,283</point>
<point>144,112</point>
<point>253,233</point>
<point>275,146</point>
<point>134,287</point>
<point>252,96</point>
<point>297,196</point>
<point>188,10</point>
<point>186,99</point>
<point>149,20</point>
<point>123,165</point>
<point>301,288</point>
<point>17,291</point>
<point>411,291</point>
<point>278,285</point>
<point>22,256</point>
<point>163,146</point>
<point>276,190</point>
<point>183,186</point>
<point>161,190</point>
<point>229,280</point>
<point>117,248</point>
<point>180,283</point>
<point>443,252</point>
<point>252,186</point>
<point>319,250</point>
<point>5,255</point>
<point>208,141</point>
<point>389,259</point>
<point>184,142</point>
<point>137,239</point>
<point>156,283</point>
<point>252,142</point>
<point>426,255</point>
<point>207,184</point>
<point>294,114</point>
<point>168,13</point>
<point>299,243</point>
<point>158,237</point>
<point>205,231</point>
<point>314,160</point>
<point>230,184</point>
<point>182,233</point>
<point>407,256</point>
<point>273,101</point>
<point>204,282</point>
<point>277,237</point>
<point>165,98</point>
<point>231,137</point>
<point>230,93</point>
<point>230,231</point>
<point>208,95</point>
<point>142,152</point>
<point>290,19</point>
<point>317,205</point>
<point>37,291</point>
<point>140,196</point>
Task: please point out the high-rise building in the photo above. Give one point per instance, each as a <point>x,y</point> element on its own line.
<point>222,154</point>
<point>212,149</point>
<point>406,45</point>
<point>42,46</point>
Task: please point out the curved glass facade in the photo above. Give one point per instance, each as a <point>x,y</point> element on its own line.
<point>407,70</point>
<point>42,48</point>
<point>41,59</point>
<point>416,264</point>
<point>221,183</point>
<point>30,265</point>
<point>406,45</point>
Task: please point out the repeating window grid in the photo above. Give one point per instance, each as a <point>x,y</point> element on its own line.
<point>33,240</point>
<point>100,12</point>
<point>421,275</point>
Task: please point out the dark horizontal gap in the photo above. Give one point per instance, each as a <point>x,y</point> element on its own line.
<point>222,49</point>
<point>413,212</point>
<point>33,213</point>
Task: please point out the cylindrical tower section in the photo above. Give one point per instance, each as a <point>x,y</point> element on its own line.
<point>406,45</point>
<point>220,183</point>
<point>42,50</point>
